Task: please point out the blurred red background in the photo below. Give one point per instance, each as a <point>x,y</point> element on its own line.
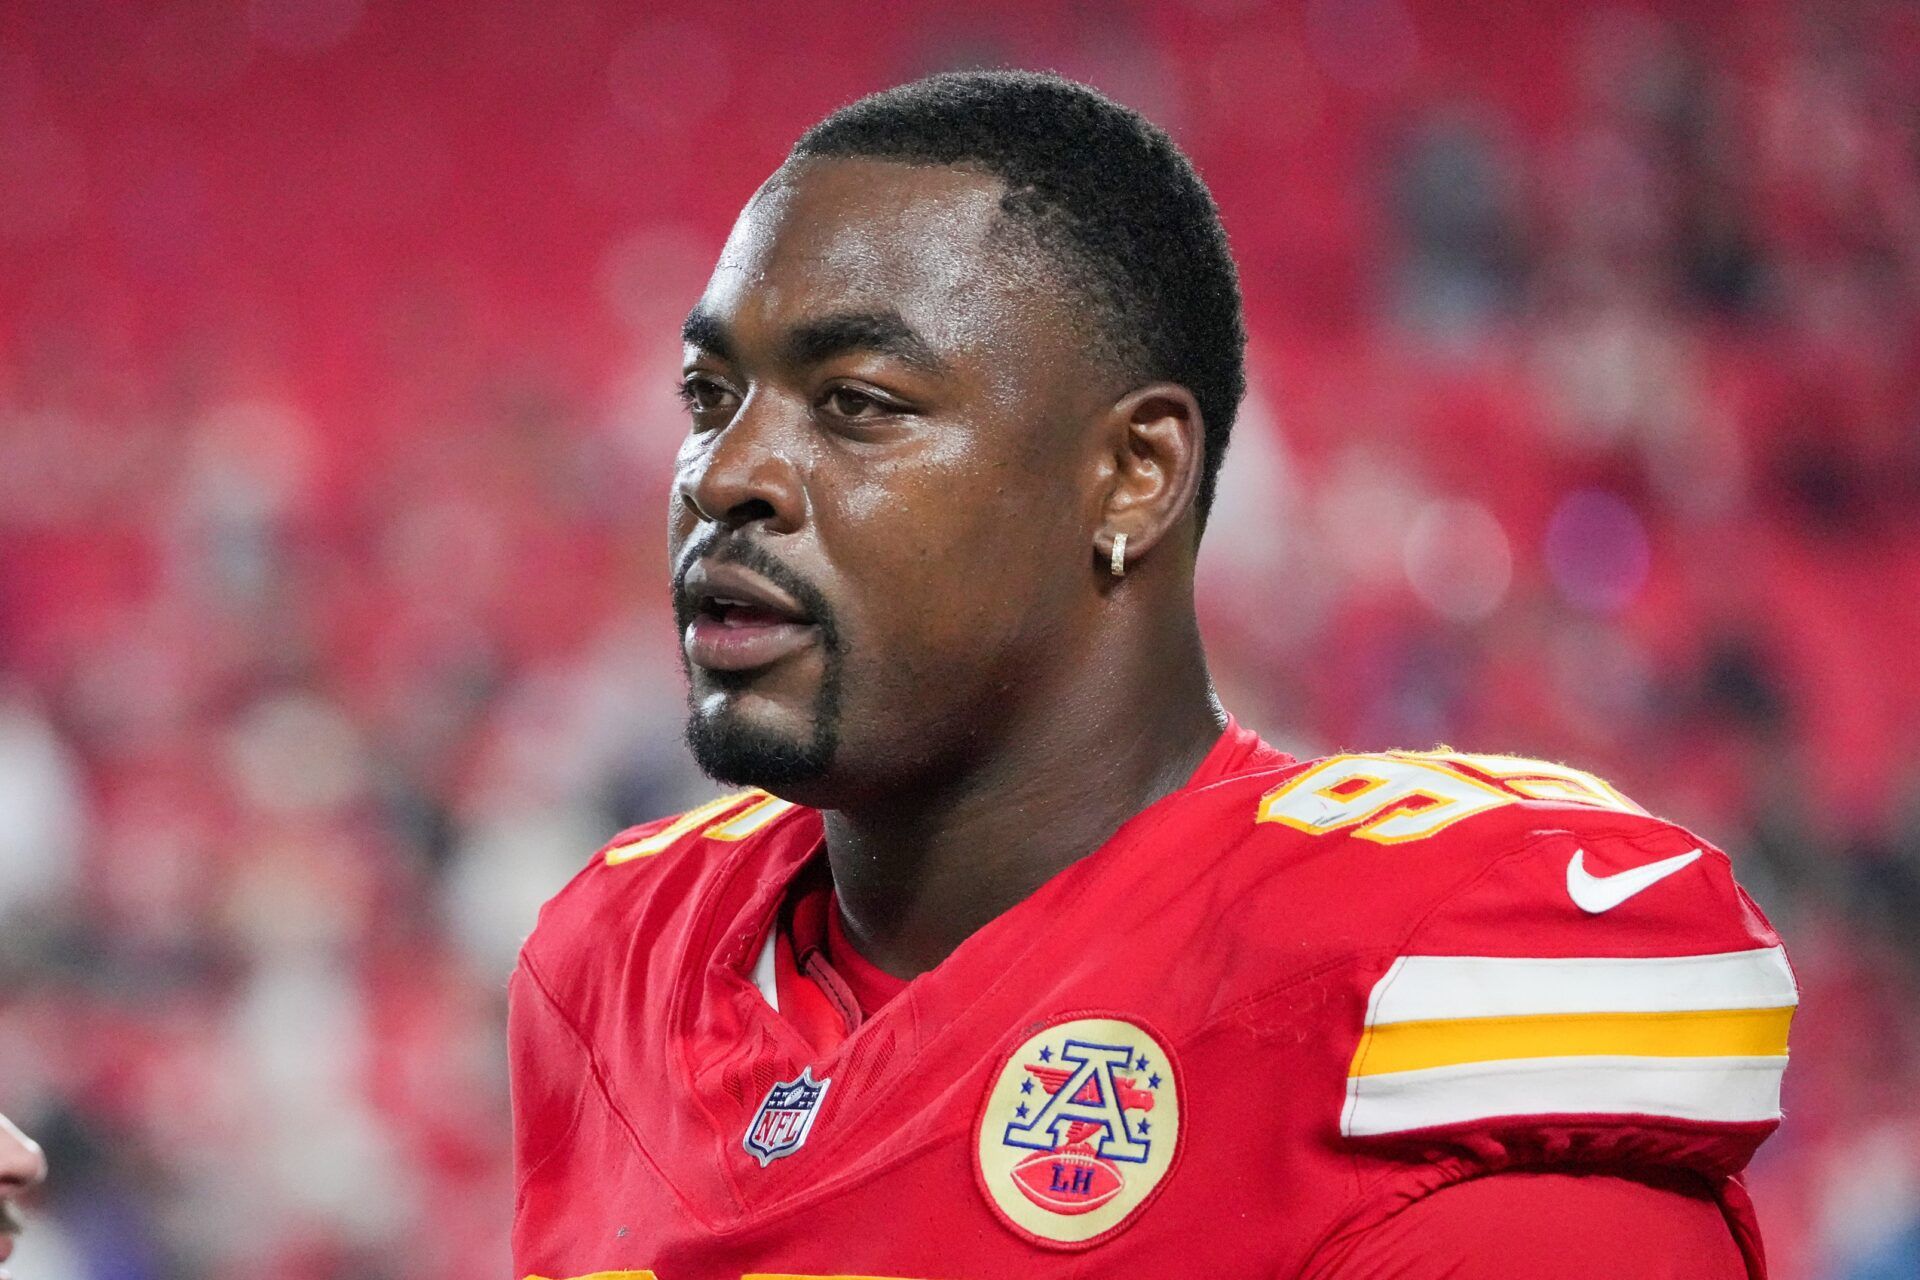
<point>337,342</point>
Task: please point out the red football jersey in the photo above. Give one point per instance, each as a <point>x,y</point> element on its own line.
<point>1274,1009</point>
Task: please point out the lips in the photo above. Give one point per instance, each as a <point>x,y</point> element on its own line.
<point>740,621</point>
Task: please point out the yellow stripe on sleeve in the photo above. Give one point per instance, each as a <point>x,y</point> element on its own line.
<point>1706,1033</point>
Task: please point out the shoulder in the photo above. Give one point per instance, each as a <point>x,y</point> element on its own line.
<point>1466,850</point>
<point>1527,969</point>
<point>1363,858</point>
<point>1518,940</point>
<point>728,819</point>
<point>648,876</point>
<point>1557,975</point>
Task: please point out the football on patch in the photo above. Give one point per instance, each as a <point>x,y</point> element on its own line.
<point>1070,1180</point>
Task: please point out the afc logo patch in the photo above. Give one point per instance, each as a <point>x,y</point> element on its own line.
<point>1079,1129</point>
<point>785,1117</point>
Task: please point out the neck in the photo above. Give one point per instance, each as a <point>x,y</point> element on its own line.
<point>921,871</point>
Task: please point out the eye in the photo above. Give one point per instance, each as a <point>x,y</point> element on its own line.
<point>851,402</point>
<point>703,396</point>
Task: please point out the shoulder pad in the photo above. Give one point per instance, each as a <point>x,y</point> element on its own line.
<point>1597,990</point>
<point>1396,797</point>
<point>729,818</point>
<point>642,869</point>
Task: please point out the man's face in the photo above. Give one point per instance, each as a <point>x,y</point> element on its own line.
<point>881,518</point>
<point>21,1166</point>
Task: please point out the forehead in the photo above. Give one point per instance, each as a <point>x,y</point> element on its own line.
<point>837,235</point>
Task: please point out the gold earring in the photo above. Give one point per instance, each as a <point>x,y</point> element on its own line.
<point>1119,561</point>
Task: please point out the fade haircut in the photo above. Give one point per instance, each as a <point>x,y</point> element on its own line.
<point>1107,196</point>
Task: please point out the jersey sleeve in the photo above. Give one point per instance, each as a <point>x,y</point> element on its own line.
<point>1568,1226</point>
<point>1604,994</point>
<point>549,1067</point>
<point>595,946</point>
<point>1595,994</point>
<point>582,939</point>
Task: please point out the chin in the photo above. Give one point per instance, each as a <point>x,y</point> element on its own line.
<point>733,747</point>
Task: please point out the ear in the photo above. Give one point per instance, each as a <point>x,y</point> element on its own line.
<point>1154,452</point>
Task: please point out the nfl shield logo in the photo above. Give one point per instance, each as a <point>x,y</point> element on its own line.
<point>780,1127</point>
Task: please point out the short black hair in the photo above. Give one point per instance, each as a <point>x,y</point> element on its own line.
<point>1107,194</point>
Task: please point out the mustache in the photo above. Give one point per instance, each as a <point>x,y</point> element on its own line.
<point>735,549</point>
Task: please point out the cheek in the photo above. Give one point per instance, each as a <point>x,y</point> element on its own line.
<point>947,563</point>
<point>933,519</point>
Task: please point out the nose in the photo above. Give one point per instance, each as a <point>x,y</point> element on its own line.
<point>745,471</point>
<point>22,1164</point>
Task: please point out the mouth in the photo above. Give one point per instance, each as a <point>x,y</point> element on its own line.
<point>739,621</point>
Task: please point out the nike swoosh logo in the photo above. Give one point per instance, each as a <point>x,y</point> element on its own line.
<point>1594,894</point>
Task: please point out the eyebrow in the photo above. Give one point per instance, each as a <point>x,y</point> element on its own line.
<point>821,339</point>
<point>881,332</point>
<point>705,330</point>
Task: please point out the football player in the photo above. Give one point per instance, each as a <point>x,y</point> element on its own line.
<point>22,1167</point>
<point>1018,957</point>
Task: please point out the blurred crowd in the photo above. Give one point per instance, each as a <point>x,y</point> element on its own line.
<point>337,345</point>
